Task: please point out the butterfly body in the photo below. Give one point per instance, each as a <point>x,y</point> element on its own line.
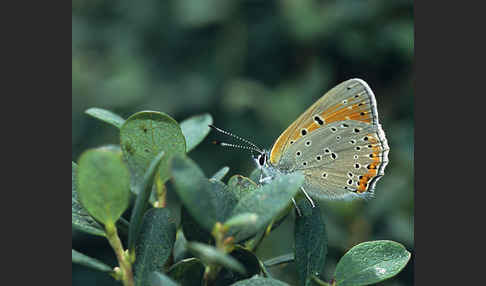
<point>337,143</point>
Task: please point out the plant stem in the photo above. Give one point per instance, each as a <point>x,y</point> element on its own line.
<point>125,265</point>
<point>161,193</point>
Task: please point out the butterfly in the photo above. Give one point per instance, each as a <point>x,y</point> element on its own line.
<point>337,143</point>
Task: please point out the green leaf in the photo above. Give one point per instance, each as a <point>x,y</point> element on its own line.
<point>249,261</point>
<point>218,176</point>
<point>267,202</point>
<point>260,281</point>
<point>371,262</point>
<point>195,129</point>
<point>212,255</point>
<point>206,201</point>
<point>286,258</point>
<point>154,245</point>
<point>103,184</point>
<point>159,279</point>
<point>143,136</point>
<point>310,242</point>
<point>241,186</point>
<point>143,190</point>
<point>90,262</point>
<point>81,220</point>
<point>106,116</point>
<point>187,272</point>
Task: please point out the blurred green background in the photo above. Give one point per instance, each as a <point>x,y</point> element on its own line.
<point>254,66</point>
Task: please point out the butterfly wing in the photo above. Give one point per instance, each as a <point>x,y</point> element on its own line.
<point>338,143</point>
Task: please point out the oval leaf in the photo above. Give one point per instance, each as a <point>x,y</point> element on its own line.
<point>267,202</point>
<point>195,129</point>
<point>143,136</point>
<point>260,281</point>
<point>218,176</point>
<point>206,201</point>
<point>187,272</point>
<point>310,242</point>
<point>154,244</point>
<point>371,262</point>
<point>90,262</point>
<point>103,184</point>
<point>159,279</point>
<point>81,220</point>
<point>212,255</point>
<point>106,116</point>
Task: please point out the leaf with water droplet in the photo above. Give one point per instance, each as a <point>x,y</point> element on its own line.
<point>371,262</point>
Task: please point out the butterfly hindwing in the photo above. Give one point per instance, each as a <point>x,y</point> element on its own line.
<point>337,143</point>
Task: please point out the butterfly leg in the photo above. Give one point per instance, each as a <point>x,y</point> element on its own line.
<point>308,197</point>
<point>299,213</point>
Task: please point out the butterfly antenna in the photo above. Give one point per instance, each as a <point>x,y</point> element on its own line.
<point>255,147</point>
<point>224,144</point>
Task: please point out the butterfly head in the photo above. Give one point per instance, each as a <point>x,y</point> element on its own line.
<point>261,159</point>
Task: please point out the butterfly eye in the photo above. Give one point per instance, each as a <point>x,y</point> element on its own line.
<point>261,160</point>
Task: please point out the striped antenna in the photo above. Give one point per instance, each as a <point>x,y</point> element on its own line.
<point>224,144</point>
<point>255,147</point>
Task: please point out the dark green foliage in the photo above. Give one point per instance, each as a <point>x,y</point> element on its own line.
<point>154,245</point>
<point>310,242</point>
<point>220,223</point>
<point>206,200</point>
